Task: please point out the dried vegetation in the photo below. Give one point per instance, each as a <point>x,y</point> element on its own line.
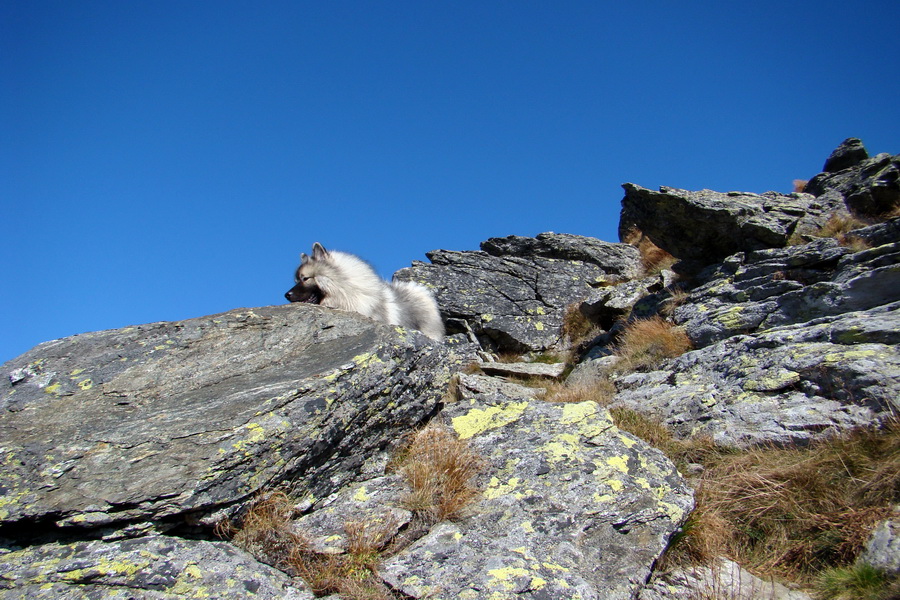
<point>441,472</point>
<point>645,343</point>
<point>802,514</point>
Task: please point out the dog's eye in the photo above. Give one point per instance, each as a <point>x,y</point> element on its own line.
<point>305,279</point>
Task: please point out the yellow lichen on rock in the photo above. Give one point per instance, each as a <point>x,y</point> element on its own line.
<point>479,420</point>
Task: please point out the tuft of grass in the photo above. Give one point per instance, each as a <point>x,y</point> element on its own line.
<point>800,185</point>
<point>857,582</point>
<point>645,343</point>
<point>441,471</point>
<point>653,258</point>
<point>576,326</point>
<point>794,512</point>
<point>600,391</point>
<point>354,574</point>
<point>266,530</point>
<point>677,297</point>
<point>839,226</point>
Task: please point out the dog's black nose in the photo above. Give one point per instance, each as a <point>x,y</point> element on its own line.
<point>287,296</point>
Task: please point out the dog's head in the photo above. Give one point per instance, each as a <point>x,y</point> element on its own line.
<point>306,288</point>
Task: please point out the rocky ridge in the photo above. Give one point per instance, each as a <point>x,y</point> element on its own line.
<point>122,450</point>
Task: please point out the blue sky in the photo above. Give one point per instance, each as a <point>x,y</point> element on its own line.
<point>167,160</point>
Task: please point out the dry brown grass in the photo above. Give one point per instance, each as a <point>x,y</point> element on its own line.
<point>576,327</point>
<point>266,530</point>
<point>354,574</point>
<point>600,391</point>
<point>800,185</point>
<point>441,471</point>
<point>645,343</point>
<point>677,297</point>
<point>653,258</point>
<point>794,512</point>
<point>839,225</point>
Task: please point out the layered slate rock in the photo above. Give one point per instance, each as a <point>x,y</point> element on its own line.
<point>513,293</point>
<point>869,187</point>
<point>705,227</point>
<point>171,421</point>
<point>150,568</point>
<point>572,508</point>
<point>787,385</point>
<point>756,291</point>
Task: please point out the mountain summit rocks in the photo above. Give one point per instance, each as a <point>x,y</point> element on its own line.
<point>122,451</point>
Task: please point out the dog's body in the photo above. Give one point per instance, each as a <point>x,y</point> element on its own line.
<point>341,280</point>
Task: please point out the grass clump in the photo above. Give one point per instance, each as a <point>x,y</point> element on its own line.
<point>352,575</point>
<point>600,391</point>
<point>645,343</point>
<point>441,471</point>
<point>576,326</point>
<point>839,226</point>
<point>266,530</point>
<point>857,582</point>
<point>795,512</point>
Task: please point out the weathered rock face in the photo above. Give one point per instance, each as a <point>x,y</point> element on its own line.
<point>156,422</point>
<point>793,342</point>
<point>152,568</point>
<point>788,384</point>
<point>512,295</point>
<point>756,291</point>
<point>868,186</point>
<point>149,428</point>
<point>573,508</point>
<point>704,227</point>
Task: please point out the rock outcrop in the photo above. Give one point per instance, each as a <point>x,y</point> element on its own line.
<point>869,187</point>
<point>705,227</point>
<point>123,450</point>
<point>169,426</point>
<point>512,295</point>
<point>567,511</point>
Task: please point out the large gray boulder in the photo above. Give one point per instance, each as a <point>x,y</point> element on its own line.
<point>572,508</point>
<point>148,568</point>
<point>156,422</point>
<point>788,384</point>
<point>512,294</point>
<point>869,187</point>
<point>756,291</point>
<point>169,427</point>
<point>705,227</point>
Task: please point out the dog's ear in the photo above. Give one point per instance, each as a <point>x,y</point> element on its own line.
<point>319,251</point>
<point>304,258</point>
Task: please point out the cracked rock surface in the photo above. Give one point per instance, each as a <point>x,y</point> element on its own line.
<point>512,294</point>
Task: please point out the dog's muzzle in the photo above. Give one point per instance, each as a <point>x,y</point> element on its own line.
<point>300,294</point>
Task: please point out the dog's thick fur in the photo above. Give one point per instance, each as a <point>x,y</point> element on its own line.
<point>340,280</point>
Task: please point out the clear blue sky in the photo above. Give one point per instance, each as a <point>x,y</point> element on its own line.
<point>167,160</point>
